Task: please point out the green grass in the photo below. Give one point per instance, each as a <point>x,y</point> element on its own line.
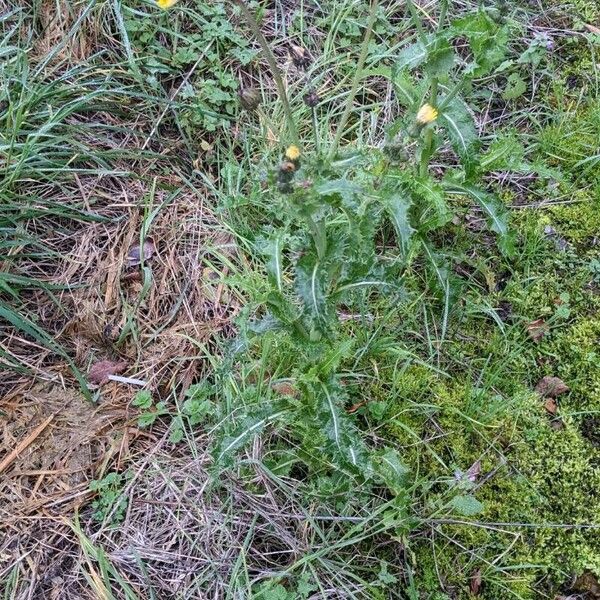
<point>444,378</point>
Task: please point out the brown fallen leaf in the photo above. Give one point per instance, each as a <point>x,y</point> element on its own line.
<point>537,329</point>
<point>474,471</point>
<point>355,407</point>
<point>134,256</point>
<point>588,582</point>
<point>551,387</point>
<point>551,406</point>
<point>100,370</point>
<point>285,389</point>
<point>475,583</point>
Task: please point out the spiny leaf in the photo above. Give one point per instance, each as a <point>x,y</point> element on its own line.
<point>407,92</point>
<point>391,469</point>
<point>457,120</point>
<point>435,211</point>
<point>346,445</point>
<point>487,39</point>
<point>398,204</point>
<point>411,57</point>
<point>497,217</point>
<point>272,248</point>
<point>249,427</point>
<point>311,285</point>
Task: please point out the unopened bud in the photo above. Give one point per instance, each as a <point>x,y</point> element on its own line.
<point>249,98</point>
<point>300,57</point>
<point>311,98</point>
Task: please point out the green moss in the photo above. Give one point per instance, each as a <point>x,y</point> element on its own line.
<point>578,221</point>
<point>588,10</point>
<point>578,357</point>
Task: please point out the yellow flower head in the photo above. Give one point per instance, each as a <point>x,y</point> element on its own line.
<point>426,114</point>
<point>292,153</point>
<point>165,3</point>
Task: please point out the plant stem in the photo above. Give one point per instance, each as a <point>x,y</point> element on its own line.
<point>427,150</point>
<point>443,13</point>
<point>416,19</point>
<point>315,125</point>
<point>264,45</point>
<point>357,77</point>
<point>452,93</point>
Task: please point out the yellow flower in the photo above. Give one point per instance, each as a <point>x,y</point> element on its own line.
<point>165,3</point>
<point>426,114</point>
<point>292,153</point>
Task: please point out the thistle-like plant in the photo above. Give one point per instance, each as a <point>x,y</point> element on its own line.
<point>320,245</point>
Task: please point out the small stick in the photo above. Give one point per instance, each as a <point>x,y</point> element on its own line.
<point>24,443</point>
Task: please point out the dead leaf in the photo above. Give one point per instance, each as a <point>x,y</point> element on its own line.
<point>285,389</point>
<point>476,583</point>
<point>588,582</point>
<point>551,406</point>
<point>355,407</point>
<point>100,371</point>
<point>592,28</point>
<point>551,387</point>
<point>537,329</point>
<point>474,471</point>
<point>134,256</point>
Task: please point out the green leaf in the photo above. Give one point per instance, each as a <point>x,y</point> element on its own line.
<point>143,399</point>
<point>146,419</point>
<point>440,58</point>
<point>346,445</point>
<point>497,217</point>
<point>391,469</point>
<point>272,248</point>
<point>487,39</point>
<point>311,286</point>
<point>407,92</point>
<point>458,122</point>
<point>466,505</point>
<point>514,88</point>
<point>248,429</point>
<point>435,211</point>
<point>411,56</point>
<point>435,54</point>
<point>397,205</point>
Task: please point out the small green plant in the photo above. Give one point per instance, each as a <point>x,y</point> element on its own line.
<point>328,247</point>
<point>110,501</point>
<point>149,411</point>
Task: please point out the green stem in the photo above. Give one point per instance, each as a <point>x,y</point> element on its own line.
<point>416,19</point>
<point>315,124</point>
<point>357,77</point>
<point>264,45</point>
<point>452,93</point>
<point>443,13</point>
<point>427,150</point>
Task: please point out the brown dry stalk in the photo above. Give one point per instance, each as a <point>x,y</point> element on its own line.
<point>24,443</point>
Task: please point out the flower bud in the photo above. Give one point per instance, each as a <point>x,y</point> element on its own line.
<point>249,98</point>
<point>311,98</point>
<point>300,57</point>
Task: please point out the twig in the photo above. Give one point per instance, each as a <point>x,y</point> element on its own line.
<point>7,460</point>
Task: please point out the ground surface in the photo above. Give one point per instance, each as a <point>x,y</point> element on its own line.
<point>130,201</point>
